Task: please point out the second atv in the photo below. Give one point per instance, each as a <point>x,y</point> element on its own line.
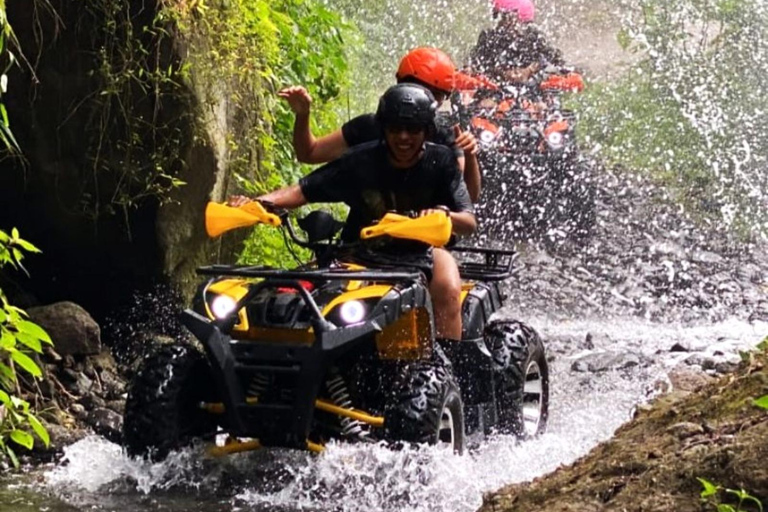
<point>337,350</point>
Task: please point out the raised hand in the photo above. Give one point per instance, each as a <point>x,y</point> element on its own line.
<point>465,140</point>
<point>298,98</point>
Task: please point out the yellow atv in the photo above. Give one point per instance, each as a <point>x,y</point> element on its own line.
<point>338,350</point>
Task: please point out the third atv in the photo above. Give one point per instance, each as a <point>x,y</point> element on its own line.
<point>338,350</point>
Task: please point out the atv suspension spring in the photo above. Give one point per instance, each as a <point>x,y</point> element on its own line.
<point>339,393</point>
<point>259,384</point>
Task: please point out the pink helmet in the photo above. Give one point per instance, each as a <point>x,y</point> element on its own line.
<point>524,8</point>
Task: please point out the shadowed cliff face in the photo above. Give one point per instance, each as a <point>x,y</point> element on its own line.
<point>79,160</point>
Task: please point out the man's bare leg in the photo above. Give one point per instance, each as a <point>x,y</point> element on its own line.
<point>445,290</point>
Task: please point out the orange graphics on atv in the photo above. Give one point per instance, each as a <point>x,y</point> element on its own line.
<point>528,147</point>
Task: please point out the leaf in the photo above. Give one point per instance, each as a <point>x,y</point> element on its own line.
<point>26,363</point>
<point>39,429</point>
<point>4,398</point>
<point>22,438</point>
<point>12,455</point>
<point>7,340</point>
<point>30,342</point>
<point>27,246</point>
<point>761,402</point>
<point>710,489</point>
<point>34,330</point>
<point>7,373</point>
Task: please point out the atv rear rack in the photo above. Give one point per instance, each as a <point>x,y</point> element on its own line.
<point>498,265</point>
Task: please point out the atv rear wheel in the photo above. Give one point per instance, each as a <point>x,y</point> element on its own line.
<point>426,407</point>
<point>521,378</point>
<point>162,411</point>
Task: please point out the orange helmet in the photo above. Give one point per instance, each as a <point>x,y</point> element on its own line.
<point>430,66</point>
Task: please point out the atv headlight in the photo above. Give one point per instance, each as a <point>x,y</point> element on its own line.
<point>352,312</point>
<point>222,306</point>
<point>487,136</point>
<point>555,140</point>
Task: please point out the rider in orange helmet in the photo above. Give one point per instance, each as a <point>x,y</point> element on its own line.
<point>429,67</point>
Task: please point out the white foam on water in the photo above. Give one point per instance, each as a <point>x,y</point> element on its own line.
<point>586,408</point>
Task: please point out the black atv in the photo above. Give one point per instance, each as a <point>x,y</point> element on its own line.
<point>338,350</point>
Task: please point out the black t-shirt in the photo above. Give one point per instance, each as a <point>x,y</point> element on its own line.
<point>365,181</point>
<point>500,48</point>
<point>363,129</point>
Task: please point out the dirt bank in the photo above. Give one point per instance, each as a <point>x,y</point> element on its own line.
<point>653,462</point>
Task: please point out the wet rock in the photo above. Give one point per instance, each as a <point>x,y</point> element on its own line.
<point>77,383</point>
<point>104,361</point>
<point>668,248</point>
<point>604,361</point>
<point>71,328</point>
<point>93,401</point>
<point>116,405</point>
<point>113,386</point>
<point>707,257</point>
<point>60,437</point>
<point>78,411</point>
<point>690,345</point>
<point>706,362</point>
<point>107,423</point>
<point>685,430</point>
<point>726,367</point>
<point>685,379</point>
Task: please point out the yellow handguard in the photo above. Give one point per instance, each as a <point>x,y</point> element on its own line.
<point>220,218</point>
<point>433,229</point>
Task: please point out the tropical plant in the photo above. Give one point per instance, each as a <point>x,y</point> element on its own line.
<point>259,47</point>
<point>7,59</point>
<point>710,494</point>
<point>18,338</point>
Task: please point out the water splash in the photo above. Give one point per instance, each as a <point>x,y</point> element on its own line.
<point>585,410</point>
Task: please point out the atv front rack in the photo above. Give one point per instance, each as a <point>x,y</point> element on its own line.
<point>307,275</point>
<point>498,264</point>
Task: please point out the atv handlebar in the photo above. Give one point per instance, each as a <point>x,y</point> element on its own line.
<point>433,229</point>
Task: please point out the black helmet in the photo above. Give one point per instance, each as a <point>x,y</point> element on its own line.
<point>407,104</point>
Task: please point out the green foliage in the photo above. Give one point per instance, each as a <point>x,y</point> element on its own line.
<point>260,47</point>
<point>18,338</point>
<point>691,114</point>
<point>7,60</point>
<point>710,495</point>
<point>136,115</point>
<point>762,402</point>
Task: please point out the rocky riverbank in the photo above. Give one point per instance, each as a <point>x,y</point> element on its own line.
<point>653,462</point>
<point>648,258</point>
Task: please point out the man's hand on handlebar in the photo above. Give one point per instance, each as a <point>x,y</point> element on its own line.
<point>237,201</point>
<point>437,209</point>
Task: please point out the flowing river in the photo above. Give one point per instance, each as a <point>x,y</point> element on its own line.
<point>586,408</point>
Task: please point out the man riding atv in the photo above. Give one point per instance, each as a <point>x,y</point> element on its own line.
<point>401,171</point>
<point>514,49</point>
<point>428,67</point>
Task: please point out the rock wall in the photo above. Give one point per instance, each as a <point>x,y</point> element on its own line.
<point>101,260</point>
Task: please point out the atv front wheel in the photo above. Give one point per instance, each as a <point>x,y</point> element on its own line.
<point>426,407</point>
<point>521,378</point>
<point>162,411</point>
